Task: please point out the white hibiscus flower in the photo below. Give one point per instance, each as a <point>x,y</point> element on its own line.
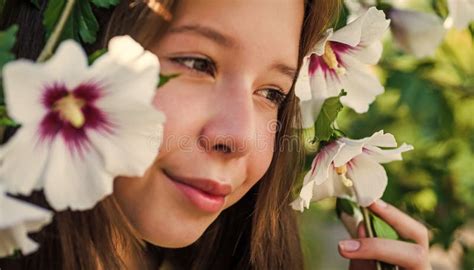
<point>350,169</point>
<point>81,126</point>
<point>415,32</point>
<point>461,13</point>
<point>17,219</point>
<point>340,61</point>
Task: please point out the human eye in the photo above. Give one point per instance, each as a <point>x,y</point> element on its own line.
<point>276,96</point>
<point>196,64</point>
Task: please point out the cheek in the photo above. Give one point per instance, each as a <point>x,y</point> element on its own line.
<point>259,161</point>
<point>184,116</point>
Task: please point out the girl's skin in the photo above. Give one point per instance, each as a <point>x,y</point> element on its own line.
<point>236,61</point>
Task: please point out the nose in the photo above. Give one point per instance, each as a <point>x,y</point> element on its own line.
<point>230,130</point>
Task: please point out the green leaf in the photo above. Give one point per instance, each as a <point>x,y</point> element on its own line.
<point>324,124</point>
<point>82,25</point>
<point>440,7</point>
<point>4,119</point>
<point>51,15</point>
<point>105,3</point>
<point>7,41</point>
<point>164,79</point>
<point>342,18</point>
<point>88,25</point>
<point>428,105</point>
<point>95,55</point>
<point>345,206</point>
<point>382,229</point>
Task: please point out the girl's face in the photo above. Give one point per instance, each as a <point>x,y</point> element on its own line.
<point>236,60</point>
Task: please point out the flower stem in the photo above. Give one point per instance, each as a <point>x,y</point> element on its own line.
<point>56,34</point>
<point>369,230</point>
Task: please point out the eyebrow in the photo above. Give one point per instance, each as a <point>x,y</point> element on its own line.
<point>206,32</point>
<point>285,70</point>
<point>228,42</point>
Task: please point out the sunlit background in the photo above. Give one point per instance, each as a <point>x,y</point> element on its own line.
<point>429,102</point>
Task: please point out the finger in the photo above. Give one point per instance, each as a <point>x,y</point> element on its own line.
<point>404,254</point>
<point>361,230</point>
<point>405,225</point>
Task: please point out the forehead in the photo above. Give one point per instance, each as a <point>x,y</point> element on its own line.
<point>263,27</point>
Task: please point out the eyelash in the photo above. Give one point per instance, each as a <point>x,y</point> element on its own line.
<point>210,69</point>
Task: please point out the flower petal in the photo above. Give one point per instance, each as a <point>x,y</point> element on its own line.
<point>417,33</point>
<point>16,220</point>
<point>137,136</point>
<point>302,85</point>
<point>369,178</point>
<point>361,86</point>
<point>389,155</point>
<point>368,54</point>
<point>23,96</point>
<point>321,44</point>
<point>123,49</point>
<point>461,13</point>
<point>119,71</point>
<point>73,180</point>
<point>334,187</point>
<point>23,160</point>
<point>322,163</point>
<point>349,150</point>
<point>15,238</point>
<point>364,30</point>
<point>68,64</point>
<point>305,195</point>
<point>382,139</point>
<point>313,98</point>
<point>374,27</point>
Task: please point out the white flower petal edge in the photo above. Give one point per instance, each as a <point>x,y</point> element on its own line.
<point>320,172</point>
<point>350,169</point>
<point>312,93</point>
<point>138,123</point>
<point>25,161</point>
<point>461,13</point>
<point>18,218</point>
<point>120,133</point>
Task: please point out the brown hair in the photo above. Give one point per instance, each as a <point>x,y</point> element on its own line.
<point>258,232</point>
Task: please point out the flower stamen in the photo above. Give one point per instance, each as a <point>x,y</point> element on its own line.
<point>69,109</point>
<point>342,170</point>
<point>330,59</point>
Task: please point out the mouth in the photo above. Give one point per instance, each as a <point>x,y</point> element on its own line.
<point>206,194</point>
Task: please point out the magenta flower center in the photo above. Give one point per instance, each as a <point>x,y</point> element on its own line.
<point>71,114</point>
<point>330,62</point>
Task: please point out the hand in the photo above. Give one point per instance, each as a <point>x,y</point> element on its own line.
<point>409,256</point>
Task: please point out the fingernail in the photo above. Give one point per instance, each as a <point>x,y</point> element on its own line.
<point>349,245</point>
<point>382,203</point>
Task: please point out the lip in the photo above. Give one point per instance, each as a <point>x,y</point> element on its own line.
<point>206,194</point>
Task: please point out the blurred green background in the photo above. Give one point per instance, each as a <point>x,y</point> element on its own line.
<point>428,103</point>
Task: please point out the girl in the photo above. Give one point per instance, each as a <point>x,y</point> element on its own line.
<point>218,192</point>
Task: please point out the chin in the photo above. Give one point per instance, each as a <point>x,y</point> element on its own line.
<point>175,237</point>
